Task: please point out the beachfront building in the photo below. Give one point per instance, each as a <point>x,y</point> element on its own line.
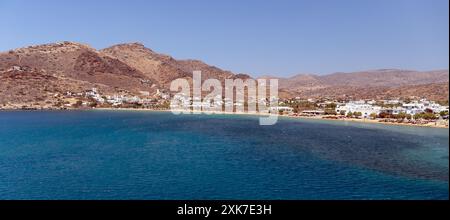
<point>284,109</point>
<point>413,108</point>
<point>180,101</point>
<point>93,93</point>
<point>358,106</point>
<point>394,111</point>
<point>423,105</point>
<point>115,100</point>
<point>433,106</point>
<point>313,112</point>
<point>369,108</point>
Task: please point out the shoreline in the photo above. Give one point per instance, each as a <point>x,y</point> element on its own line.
<point>369,121</point>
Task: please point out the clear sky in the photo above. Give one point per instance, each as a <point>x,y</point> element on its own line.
<point>276,37</point>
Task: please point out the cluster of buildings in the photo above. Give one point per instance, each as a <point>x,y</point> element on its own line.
<point>364,108</point>
<point>118,100</point>
<point>182,101</point>
<point>368,108</point>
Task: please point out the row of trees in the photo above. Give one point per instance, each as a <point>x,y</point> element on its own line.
<point>426,116</point>
<point>354,114</point>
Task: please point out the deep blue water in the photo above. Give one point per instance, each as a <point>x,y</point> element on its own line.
<point>148,155</point>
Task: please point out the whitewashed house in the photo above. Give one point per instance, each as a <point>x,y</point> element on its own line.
<point>284,109</point>
<point>359,106</point>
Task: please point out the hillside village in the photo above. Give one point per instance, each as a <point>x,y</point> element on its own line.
<point>70,75</point>
<point>420,111</point>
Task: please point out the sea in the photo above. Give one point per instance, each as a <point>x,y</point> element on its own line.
<point>142,155</point>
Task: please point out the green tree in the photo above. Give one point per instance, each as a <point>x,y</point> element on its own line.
<point>93,104</point>
<point>426,116</point>
<point>401,115</point>
<point>330,112</point>
<point>357,114</point>
<point>417,116</point>
<point>331,106</point>
<point>77,104</point>
<point>429,116</point>
<point>349,114</point>
<point>373,115</point>
<point>385,115</point>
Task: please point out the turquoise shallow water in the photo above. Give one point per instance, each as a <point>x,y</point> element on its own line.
<point>151,155</point>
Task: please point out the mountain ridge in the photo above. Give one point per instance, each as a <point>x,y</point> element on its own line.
<point>133,68</point>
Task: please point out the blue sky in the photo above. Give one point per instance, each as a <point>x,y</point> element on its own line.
<point>258,37</point>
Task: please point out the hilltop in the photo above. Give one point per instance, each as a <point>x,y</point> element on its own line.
<point>42,73</point>
<point>373,84</point>
<point>32,73</point>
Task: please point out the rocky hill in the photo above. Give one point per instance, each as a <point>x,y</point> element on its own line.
<point>161,68</point>
<point>385,83</point>
<point>32,87</point>
<point>32,73</point>
<point>38,73</point>
<point>385,78</point>
<point>78,62</point>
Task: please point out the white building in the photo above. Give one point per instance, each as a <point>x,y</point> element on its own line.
<point>413,108</point>
<point>313,112</point>
<point>394,111</point>
<point>284,109</point>
<point>95,95</point>
<point>422,106</point>
<point>392,102</point>
<point>359,106</point>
